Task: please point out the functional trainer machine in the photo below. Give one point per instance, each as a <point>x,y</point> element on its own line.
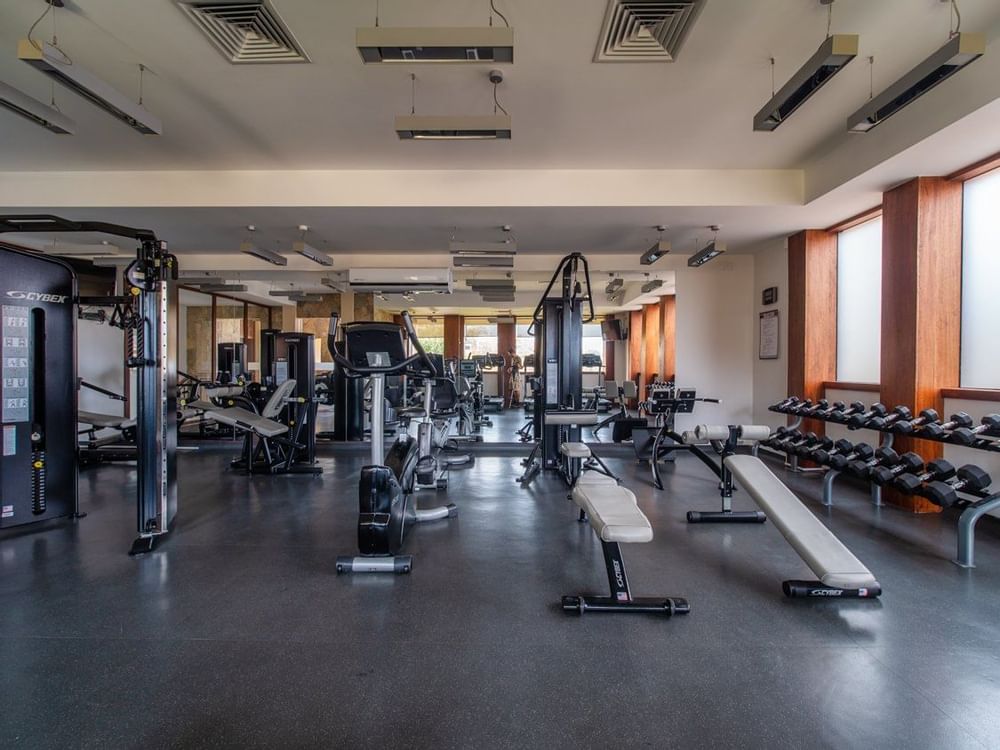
<point>387,509</point>
<point>37,473</point>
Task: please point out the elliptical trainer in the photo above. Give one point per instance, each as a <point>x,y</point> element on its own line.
<point>387,510</point>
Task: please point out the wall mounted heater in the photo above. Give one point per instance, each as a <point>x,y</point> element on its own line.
<point>53,63</point>
<point>383,44</point>
<point>654,253</point>
<point>960,50</point>
<point>453,127</point>
<point>31,109</point>
<point>831,57</point>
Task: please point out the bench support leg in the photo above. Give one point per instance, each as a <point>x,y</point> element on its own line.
<point>727,514</point>
<point>621,599</point>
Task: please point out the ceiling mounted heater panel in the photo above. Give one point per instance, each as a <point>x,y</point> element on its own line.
<point>383,44</point>
<point>646,30</point>
<point>245,31</point>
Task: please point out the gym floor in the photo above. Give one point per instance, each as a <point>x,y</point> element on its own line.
<point>238,632</point>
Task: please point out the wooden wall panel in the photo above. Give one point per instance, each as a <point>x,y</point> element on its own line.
<point>634,344</point>
<point>609,360</point>
<point>454,336</point>
<point>921,310</point>
<point>651,346</point>
<point>668,330</point>
<point>812,314</point>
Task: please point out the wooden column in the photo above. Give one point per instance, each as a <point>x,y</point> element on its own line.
<point>812,315</point>
<point>609,360</point>
<point>668,328</point>
<point>635,319</point>
<point>454,336</point>
<point>921,310</point>
<point>506,341</point>
<point>652,361</point>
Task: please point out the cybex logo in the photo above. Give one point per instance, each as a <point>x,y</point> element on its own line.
<point>619,578</point>
<point>38,297</point>
<point>825,592</point>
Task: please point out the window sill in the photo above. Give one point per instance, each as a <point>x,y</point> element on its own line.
<point>839,385</point>
<point>972,394</point>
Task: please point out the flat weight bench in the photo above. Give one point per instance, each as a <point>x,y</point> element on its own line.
<point>616,519</point>
<point>840,573</point>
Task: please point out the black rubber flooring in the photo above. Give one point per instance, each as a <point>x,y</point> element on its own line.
<point>239,633</point>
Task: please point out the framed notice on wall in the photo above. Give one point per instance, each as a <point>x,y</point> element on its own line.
<point>769,335</point>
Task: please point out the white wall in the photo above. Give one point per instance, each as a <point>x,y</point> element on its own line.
<point>770,376</point>
<point>715,339</point>
<point>101,361</point>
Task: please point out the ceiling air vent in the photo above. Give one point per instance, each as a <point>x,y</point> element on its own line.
<point>245,32</point>
<point>646,30</point>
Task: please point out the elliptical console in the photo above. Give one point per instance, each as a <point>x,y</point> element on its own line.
<point>386,508</point>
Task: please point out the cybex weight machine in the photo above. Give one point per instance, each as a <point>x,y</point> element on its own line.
<point>38,466</point>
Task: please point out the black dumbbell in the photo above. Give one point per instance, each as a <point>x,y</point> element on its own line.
<point>905,427</point>
<point>823,455</point>
<point>841,417</point>
<point>882,457</point>
<point>967,436</point>
<point>936,469</point>
<point>900,413</point>
<point>857,421</point>
<point>971,478</point>
<point>808,449</point>
<point>816,407</point>
<point>936,430</point>
<point>862,451</point>
<point>801,407</point>
<point>783,406</point>
<point>908,464</point>
<point>807,439</point>
<point>829,411</point>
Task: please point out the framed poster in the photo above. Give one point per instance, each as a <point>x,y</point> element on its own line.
<point>769,335</point>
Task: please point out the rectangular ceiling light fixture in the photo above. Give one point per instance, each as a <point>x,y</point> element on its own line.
<point>960,50</point>
<point>711,250</point>
<point>654,253</point>
<point>652,285</point>
<point>53,63</point>
<point>383,44</point>
<point>334,284</point>
<point>831,57</point>
<point>200,280</point>
<point>249,248</point>
<point>453,127</point>
<point>224,287</point>
<point>308,251</point>
<point>483,259</point>
<point>33,110</point>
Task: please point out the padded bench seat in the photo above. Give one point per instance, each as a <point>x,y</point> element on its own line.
<point>104,421</point>
<point>245,419</point>
<point>575,450</point>
<point>570,418</point>
<point>613,512</point>
<point>834,564</point>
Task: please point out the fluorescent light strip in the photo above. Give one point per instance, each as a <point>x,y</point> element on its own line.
<point>654,253</point>
<point>711,250</point>
<point>249,248</point>
<point>33,110</point>
<point>50,61</point>
<point>960,50</point>
<point>383,44</point>
<point>453,127</point>
<point>308,251</point>
<point>831,57</point>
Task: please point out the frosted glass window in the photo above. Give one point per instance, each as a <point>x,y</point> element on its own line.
<point>980,272</point>
<point>859,303</point>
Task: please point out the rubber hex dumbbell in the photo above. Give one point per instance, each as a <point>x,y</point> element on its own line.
<point>905,427</point>
<point>937,430</point>
<point>857,421</point>
<point>816,407</point>
<point>808,441</point>
<point>842,417</point>
<point>862,451</point>
<point>802,407</point>
<point>882,457</point>
<point>899,413</point>
<point>782,433</point>
<point>807,450</point>
<point>909,463</point>
<point>823,455</point>
<point>936,469</point>
<point>971,478</point>
<point>834,408</point>
<point>967,436</point>
<point>784,406</point>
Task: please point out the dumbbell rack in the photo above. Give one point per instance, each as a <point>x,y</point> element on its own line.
<point>986,501</point>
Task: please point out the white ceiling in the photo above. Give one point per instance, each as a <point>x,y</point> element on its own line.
<point>663,143</point>
<point>568,112</point>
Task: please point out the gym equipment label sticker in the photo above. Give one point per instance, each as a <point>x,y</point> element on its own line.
<point>9,440</point>
<point>16,407</point>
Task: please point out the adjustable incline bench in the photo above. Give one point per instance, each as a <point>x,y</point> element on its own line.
<point>616,519</point>
<point>840,573</point>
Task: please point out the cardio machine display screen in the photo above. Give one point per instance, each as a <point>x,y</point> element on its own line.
<point>374,345</point>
